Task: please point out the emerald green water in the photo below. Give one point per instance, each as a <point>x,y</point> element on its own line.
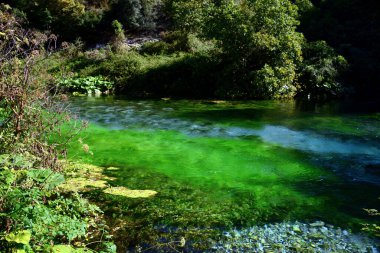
<point>236,163</point>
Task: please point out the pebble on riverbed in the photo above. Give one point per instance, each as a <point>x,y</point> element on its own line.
<point>294,237</point>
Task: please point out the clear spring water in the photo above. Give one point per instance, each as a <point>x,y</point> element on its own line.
<point>269,160</point>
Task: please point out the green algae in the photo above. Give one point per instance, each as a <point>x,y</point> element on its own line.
<point>82,184</point>
<point>125,192</point>
<point>83,177</point>
<point>86,177</point>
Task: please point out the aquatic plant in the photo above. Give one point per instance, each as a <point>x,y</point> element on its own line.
<point>373,228</point>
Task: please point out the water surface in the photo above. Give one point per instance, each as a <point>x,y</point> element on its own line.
<point>217,163</point>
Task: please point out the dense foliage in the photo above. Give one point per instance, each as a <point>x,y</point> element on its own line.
<point>227,49</point>
<point>258,44</point>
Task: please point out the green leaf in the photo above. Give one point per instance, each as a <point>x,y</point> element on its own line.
<point>49,178</point>
<point>6,177</point>
<point>62,249</point>
<point>67,249</point>
<point>22,237</point>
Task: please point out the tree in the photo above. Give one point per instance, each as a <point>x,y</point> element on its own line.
<point>259,37</point>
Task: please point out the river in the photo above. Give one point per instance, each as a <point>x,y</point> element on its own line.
<point>238,163</point>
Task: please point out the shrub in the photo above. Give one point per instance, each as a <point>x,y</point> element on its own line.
<point>157,47</point>
<point>119,68</point>
<point>25,126</point>
<point>72,50</point>
<point>177,41</point>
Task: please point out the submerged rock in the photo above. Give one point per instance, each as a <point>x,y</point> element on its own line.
<point>294,237</point>
<point>297,229</point>
<point>317,224</point>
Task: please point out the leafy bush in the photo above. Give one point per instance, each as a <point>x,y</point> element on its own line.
<point>72,50</point>
<point>89,84</point>
<point>172,42</point>
<point>119,68</point>
<point>157,47</point>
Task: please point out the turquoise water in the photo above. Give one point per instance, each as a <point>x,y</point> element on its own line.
<point>217,163</point>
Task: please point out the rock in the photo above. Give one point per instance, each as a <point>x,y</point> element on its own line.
<point>294,237</point>
<point>313,231</point>
<point>324,230</point>
<point>317,224</point>
<point>297,229</point>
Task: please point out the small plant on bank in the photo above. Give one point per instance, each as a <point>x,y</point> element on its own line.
<point>89,84</point>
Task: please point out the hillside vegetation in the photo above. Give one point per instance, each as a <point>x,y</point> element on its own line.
<point>229,49</point>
